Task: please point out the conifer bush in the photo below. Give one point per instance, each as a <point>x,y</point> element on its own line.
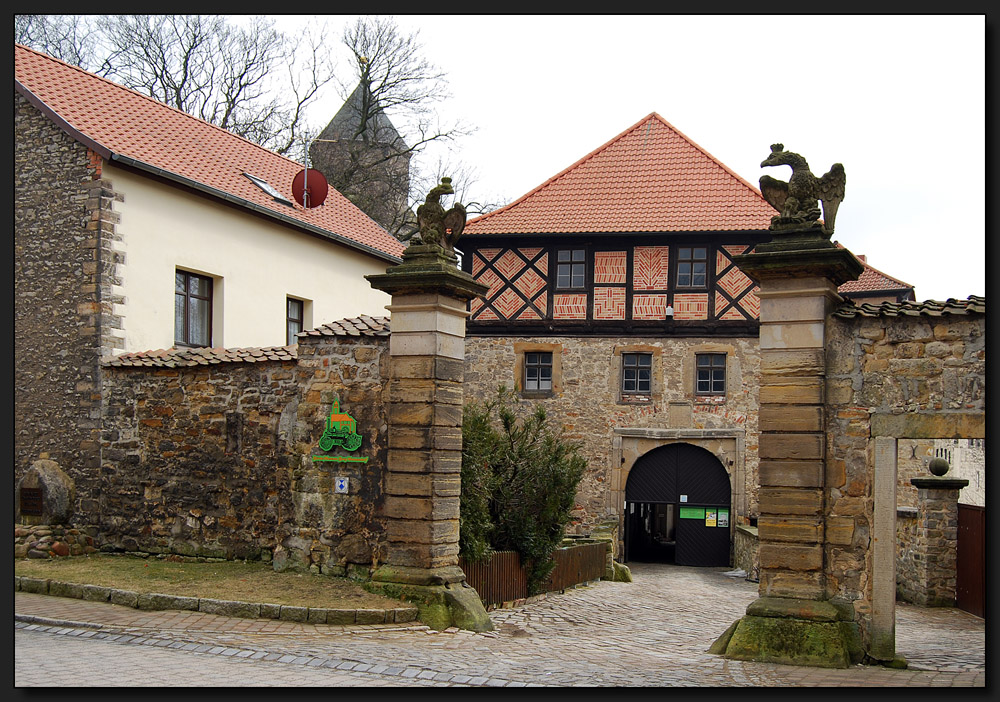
<point>519,480</point>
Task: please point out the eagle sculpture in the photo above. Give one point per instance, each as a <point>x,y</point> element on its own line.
<point>796,200</point>
<point>437,226</point>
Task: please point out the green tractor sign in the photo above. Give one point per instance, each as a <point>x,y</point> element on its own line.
<point>340,430</point>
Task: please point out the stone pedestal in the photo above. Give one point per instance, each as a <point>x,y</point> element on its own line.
<point>423,479</point>
<point>936,544</point>
<point>798,273</point>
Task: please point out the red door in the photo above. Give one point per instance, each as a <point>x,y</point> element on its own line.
<point>970,580</point>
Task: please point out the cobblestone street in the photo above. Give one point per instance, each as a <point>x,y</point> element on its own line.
<point>652,632</point>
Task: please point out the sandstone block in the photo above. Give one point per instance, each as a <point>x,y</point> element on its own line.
<point>792,446</point>
<point>790,529</point>
<point>801,584</point>
<point>423,531</point>
<point>791,391</point>
<point>790,501</point>
<point>792,362</point>
<point>790,418</point>
<point>839,530</point>
<point>778,473</point>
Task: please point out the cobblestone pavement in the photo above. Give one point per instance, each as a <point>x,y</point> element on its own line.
<point>652,632</point>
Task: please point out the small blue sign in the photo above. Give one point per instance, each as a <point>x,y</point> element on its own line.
<point>340,485</point>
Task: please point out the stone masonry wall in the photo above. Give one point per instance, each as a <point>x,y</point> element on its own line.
<point>587,401</point>
<point>908,571</point>
<point>63,264</point>
<point>216,460</point>
<point>919,369</point>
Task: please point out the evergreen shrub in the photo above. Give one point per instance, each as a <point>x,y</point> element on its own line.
<point>519,480</point>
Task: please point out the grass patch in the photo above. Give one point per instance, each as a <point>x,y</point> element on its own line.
<point>243,581</point>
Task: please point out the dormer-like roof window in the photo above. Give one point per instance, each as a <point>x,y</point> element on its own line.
<point>269,189</point>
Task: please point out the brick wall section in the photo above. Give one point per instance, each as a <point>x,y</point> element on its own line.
<point>215,459</point>
<point>62,219</point>
<point>587,400</point>
<point>931,369</point>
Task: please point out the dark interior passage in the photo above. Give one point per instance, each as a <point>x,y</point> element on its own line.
<point>677,508</point>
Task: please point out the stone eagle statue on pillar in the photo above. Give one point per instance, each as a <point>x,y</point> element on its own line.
<point>437,226</point>
<point>797,199</point>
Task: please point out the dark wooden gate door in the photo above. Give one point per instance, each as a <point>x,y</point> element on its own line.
<point>970,581</point>
<point>694,480</point>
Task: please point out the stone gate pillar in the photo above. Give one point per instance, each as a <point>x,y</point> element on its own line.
<point>792,621</point>
<point>423,480</point>
<point>935,550</point>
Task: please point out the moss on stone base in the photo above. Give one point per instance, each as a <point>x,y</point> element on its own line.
<point>622,573</point>
<point>439,606</point>
<point>789,641</point>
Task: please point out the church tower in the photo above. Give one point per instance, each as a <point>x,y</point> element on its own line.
<point>363,156</point>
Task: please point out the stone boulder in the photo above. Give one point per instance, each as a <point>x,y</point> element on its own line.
<point>58,493</point>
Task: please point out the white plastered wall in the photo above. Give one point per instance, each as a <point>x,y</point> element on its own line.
<point>256,265</point>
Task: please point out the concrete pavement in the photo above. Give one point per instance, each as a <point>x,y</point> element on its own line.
<point>652,632</point>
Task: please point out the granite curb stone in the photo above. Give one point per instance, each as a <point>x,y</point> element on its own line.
<point>229,608</point>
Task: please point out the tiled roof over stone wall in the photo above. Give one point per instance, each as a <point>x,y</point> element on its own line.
<point>359,326</point>
<point>929,308</point>
<point>188,357</point>
<point>182,358</point>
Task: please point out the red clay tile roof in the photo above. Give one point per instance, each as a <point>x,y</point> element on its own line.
<point>872,280</point>
<point>975,304</point>
<point>124,125</point>
<point>358,326</point>
<point>181,358</point>
<point>649,178</point>
<point>188,357</point>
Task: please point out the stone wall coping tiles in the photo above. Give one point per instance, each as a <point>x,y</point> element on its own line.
<point>188,357</point>
<point>184,357</point>
<point>975,304</point>
<point>363,325</point>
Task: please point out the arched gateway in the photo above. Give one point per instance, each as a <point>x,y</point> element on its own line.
<point>677,507</point>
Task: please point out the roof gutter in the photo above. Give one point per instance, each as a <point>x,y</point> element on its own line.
<point>107,154</point>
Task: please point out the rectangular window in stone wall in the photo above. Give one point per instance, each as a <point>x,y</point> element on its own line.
<point>538,371</point>
<point>192,309</point>
<point>710,374</point>
<point>637,373</point>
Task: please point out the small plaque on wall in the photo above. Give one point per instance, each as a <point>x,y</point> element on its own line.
<point>31,501</point>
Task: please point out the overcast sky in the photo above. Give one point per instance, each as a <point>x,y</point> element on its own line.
<point>898,100</point>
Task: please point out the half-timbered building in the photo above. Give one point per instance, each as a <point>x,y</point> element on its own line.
<point>614,300</point>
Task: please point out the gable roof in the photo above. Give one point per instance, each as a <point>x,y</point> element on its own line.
<point>125,126</point>
<point>872,280</point>
<point>649,178</point>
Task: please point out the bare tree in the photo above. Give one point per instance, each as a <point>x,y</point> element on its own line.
<point>66,37</point>
<point>224,73</point>
<point>365,155</point>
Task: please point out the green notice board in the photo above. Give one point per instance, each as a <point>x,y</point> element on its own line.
<point>692,512</point>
